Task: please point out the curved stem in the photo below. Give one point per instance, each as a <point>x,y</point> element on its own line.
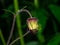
<point>12,28</point>
<point>19,38</point>
<point>24,10</point>
<point>9,11</point>
<point>11,32</point>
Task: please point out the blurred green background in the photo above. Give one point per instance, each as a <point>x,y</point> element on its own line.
<point>46,11</point>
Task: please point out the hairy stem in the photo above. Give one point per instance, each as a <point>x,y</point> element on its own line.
<point>19,38</point>
<point>12,28</point>
<point>11,32</point>
<point>24,10</point>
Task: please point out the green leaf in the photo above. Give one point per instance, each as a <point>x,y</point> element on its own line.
<point>7,14</point>
<point>56,11</point>
<point>55,27</point>
<point>55,40</point>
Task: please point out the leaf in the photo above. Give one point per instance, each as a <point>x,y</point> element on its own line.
<point>55,27</point>
<point>55,40</point>
<point>7,14</point>
<point>56,11</point>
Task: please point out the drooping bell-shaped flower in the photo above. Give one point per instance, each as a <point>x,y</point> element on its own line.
<point>32,24</point>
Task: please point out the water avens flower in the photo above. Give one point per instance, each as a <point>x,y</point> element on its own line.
<point>32,24</point>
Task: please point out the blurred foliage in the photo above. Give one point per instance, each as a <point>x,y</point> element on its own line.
<point>56,11</point>
<point>46,11</point>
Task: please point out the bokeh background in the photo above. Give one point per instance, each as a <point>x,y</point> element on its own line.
<point>46,11</point>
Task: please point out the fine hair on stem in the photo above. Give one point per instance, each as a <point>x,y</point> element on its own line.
<point>13,23</point>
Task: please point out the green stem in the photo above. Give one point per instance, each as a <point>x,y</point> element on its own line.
<point>2,38</point>
<point>19,38</point>
<point>36,3</point>
<point>18,21</point>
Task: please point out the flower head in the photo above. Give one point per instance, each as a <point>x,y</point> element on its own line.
<point>32,24</point>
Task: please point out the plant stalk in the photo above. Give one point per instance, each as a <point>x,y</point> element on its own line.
<point>18,21</point>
